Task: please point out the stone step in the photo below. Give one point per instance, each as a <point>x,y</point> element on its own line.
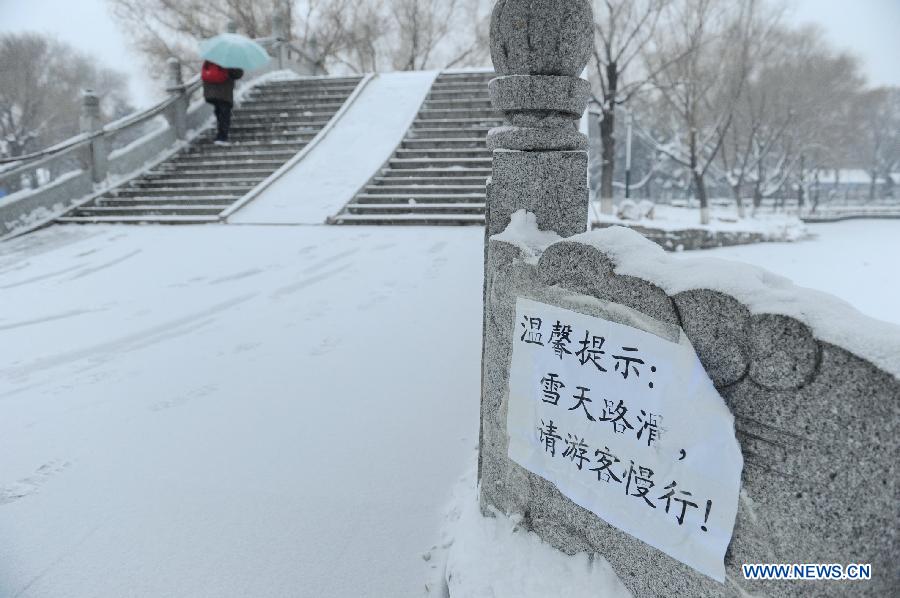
<point>344,87</point>
<point>227,164</point>
<point>305,95</point>
<point>470,87</point>
<point>290,83</point>
<point>472,93</point>
<point>459,113</point>
<point>250,140</point>
<point>444,152</point>
<point>470,74</point>
<point>210,200</point>
<point>299,114</point>
<point>423,208</point>
<point>186,173</point>
<point>451,188</point>
<point>470,80</point>
<point>467,103</point>
<point>200,192</point>
<point>138,219</point>
<point>445,143</point>
<point>282,155</point>
<point>266,99</point>
<point>299,125</point>
<point>439,163</point>
<point>411,219</point>
<point>277,109</point>
<point>457,123</point>
<point>175,184</point>
<point>150,210</point>
<point>431,134</point>
<point>406,198</point>
<point>405,174</point>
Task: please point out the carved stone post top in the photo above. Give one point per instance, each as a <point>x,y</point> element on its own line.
<point>90,103</point>
<point>539,47</point>
<point>541,37</point>
<point>90,112</point>
<point>175,80</point>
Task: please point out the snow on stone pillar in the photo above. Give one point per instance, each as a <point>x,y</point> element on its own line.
<point>177,111</point>
<point>97,155</point>
<point>539,158</point>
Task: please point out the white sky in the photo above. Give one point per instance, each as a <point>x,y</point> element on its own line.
<point>869,28</point>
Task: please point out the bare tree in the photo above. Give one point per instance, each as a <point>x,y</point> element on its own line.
<point>876,114</point>
<point>696,93</point>
<point>622,30</point>
<point>163,29</point>
<point>40,98</point>
<point>349,35</point>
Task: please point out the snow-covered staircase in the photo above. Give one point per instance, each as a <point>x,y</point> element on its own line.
<point>274,122</point>
<point>438,173</point>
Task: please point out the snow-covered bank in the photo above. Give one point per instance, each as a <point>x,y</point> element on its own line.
<point>233,411</point>
<point>856,261</point>
<point>677,228</point>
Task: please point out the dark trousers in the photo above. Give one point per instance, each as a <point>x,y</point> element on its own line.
<point>223,118</point>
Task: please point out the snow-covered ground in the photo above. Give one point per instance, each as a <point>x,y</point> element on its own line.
<point>233,411</point>
<point>856,260</point>
<point>275,410</point>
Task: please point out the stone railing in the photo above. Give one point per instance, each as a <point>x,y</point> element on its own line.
<point>813,385</point>
<point>79,166</point>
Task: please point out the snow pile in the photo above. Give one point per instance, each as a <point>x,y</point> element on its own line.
<point>495,557</point>
<point>523,231</point>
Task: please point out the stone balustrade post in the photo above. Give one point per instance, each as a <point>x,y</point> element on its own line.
<point>279,32</point>
<point>539,157</point>
<point>176,114</point>
<point>97,155</point>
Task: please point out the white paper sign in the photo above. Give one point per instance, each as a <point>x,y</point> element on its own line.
<point>629,426</point>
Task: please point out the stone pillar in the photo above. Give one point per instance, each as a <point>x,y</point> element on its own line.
<point>540,164</point>
<point>96,159</point>
<point>177,112</point>
<point>231,27</point>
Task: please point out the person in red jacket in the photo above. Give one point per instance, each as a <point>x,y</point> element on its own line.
<point>218,90</point>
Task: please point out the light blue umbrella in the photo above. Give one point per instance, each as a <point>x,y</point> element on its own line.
<point>233,51</point>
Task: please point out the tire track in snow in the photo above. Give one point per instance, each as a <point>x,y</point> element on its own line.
<point>104,266</point>
<point>66,314</point>
<point>330,260</point>
<point>40,277</point>
<point>129,342</point>
<point>237,276</point>
<point>307,282</point>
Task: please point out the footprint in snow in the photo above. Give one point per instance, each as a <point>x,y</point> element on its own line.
<point>28,486</point>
